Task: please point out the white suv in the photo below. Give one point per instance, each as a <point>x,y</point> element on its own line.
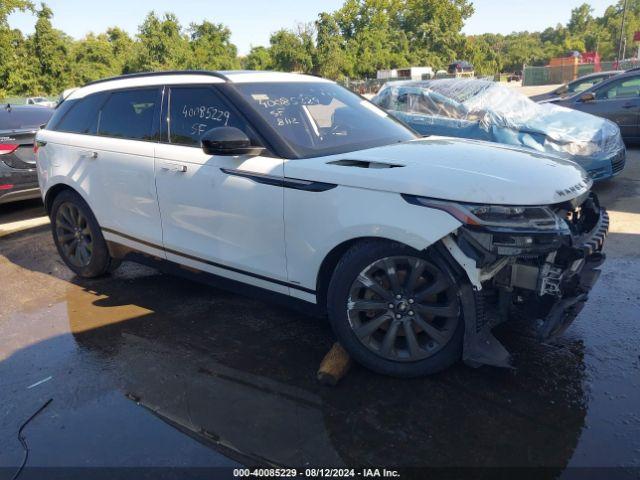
<point>414,247</point>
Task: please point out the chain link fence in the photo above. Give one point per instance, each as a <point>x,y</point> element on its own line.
<point>535,76</point>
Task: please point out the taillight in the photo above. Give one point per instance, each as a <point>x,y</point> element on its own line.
<point>37,144</point>
<point>7,148</point>
<point>6,186</point>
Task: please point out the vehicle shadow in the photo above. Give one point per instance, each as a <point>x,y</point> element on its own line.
<point>239,375</point>
<point>24,210</point>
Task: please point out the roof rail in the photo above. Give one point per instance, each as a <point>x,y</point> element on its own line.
<point>154,74</point>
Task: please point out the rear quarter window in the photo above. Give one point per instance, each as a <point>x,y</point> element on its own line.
<point>78,116</point>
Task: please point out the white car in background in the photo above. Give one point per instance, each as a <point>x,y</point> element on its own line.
<point>415,248</point>
<point>41,101</point>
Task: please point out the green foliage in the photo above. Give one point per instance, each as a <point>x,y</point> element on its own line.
<point>50,53</point>
<point>11,42</point>
<point>212,47</point>
<point>93,59</point>
<point>259,58</point>
<point>161,45</point>
<point>354,41</point>
<point>331,59</point>
<point>292,51</point>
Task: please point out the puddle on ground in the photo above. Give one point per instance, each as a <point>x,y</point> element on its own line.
<point>143,364</point>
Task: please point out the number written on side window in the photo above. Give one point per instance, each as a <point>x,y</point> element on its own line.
<point>205,112</point>
<point>194,111</point>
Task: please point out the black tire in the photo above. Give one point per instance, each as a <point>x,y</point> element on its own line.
<point>73,221</point>
<point>347,296</point>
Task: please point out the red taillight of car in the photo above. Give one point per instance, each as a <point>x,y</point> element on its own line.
<point>7,148</point>
<point>6,186</point>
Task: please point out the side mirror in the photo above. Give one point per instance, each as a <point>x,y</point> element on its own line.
<point>562,90</point>
<point>587,97</point>
<point>228,141</point>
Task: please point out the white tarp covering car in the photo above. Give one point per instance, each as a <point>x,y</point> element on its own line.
<point>485,110</point>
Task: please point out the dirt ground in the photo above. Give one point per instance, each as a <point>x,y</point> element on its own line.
<point>150,370</point>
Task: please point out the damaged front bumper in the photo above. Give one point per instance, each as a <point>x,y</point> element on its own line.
<point>544,277</point>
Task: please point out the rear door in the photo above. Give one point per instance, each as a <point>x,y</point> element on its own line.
<point>619,101</point>
<point>122,167</point>
<point>104,148</point>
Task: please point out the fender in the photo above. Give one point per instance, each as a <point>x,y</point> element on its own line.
<point>318,222</point>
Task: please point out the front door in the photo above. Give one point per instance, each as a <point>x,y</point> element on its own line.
<point>216,217</point>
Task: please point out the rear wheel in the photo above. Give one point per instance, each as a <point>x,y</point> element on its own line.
<point>396,310</point>
<point>78,237</point>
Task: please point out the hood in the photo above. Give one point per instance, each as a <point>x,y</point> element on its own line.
<point>451,169</point>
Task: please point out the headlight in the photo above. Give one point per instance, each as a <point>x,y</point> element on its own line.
<point>505,230</point>
<point>499,216</point>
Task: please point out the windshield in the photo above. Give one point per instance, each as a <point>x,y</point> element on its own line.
<point>317,119</point>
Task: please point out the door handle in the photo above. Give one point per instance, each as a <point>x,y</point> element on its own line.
<point>629,105</point>
<point>173,167</point>
<point>88,154</point>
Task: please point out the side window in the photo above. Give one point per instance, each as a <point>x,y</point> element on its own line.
<point>621,89</point>
<point>196,110</point>
<point>78,116</point>
<point>129,114</point>
<point>582,86</point>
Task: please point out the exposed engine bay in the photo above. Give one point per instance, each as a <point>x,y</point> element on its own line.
<point>548,274</point>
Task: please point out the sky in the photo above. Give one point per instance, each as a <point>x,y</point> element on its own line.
<point>252,21</point>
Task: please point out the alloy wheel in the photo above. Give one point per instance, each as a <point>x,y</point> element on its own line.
<point>403,308</point>
<point>74,234</point>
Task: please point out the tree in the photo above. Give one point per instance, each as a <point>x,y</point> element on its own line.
<point>212,47</point>
<point>121,47</point>
<point>581,19</point>
<point>8,40</point>
<point>291,51</point>
<point>259,58</point>
<point>331,60</point>
<point>93,58</point>
<point>50,48</point>
<point>161,45</point>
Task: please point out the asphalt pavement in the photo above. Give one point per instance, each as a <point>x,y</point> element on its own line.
<point>150,370</point>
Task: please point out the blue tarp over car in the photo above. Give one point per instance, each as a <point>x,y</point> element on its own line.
<point>485,110</point>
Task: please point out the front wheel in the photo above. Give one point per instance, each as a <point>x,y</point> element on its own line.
<point>396,311</point>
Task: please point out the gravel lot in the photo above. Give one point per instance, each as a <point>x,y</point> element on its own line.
<point>147,369</point>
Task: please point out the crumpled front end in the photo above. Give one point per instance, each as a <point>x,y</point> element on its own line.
<point>542,276</point>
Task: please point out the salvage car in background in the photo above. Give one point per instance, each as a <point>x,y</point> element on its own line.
<point>18,126</point>
<point>485,110</point>
<point>415,247</point>
<point>580,85</point>
<point>617,99</point>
